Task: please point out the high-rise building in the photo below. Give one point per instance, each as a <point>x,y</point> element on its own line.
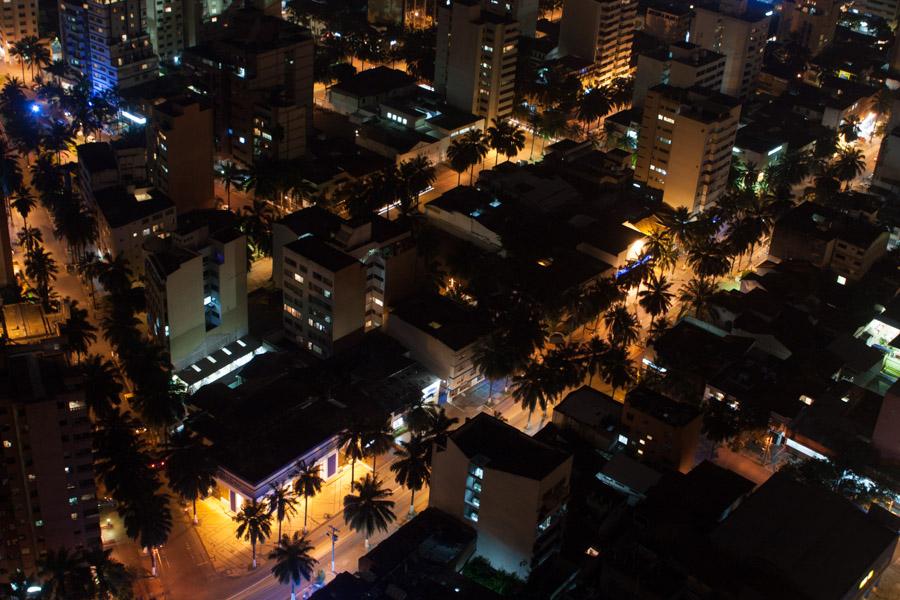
<point>475,65</point>
<point>809,23</point>
<point>738,29</point>
<point>601,32</point>
<point>49,498</point>
<point>165,24</point>
<point>685,144</point>
<point>180,152</point>
<point>107,42</point>
<point>682,65</point>
<point>257,70</point>
<point>196,286</point>
<point>506,484</point>
<point>18,19</point>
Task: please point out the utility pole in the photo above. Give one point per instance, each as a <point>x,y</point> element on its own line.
<point>333,535</point>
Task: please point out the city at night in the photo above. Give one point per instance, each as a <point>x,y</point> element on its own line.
<point>450,300</point>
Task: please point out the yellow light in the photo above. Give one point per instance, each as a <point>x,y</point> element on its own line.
<point>866,579</point>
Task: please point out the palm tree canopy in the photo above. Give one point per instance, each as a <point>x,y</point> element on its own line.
<point>190,467</point>
<point>369,510</point>
<point>254,522</point>
<point>293,560</point>
<point>411,468</point>
<point>309,479</point>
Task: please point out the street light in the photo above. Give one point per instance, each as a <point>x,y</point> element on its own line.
<point>333,534</point>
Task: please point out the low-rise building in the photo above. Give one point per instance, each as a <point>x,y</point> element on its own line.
<point>511,487</point>
<point>661,430</point>
<point>368,89</point>
<point>668,21</point>
<point>590,415</point>
<point>126,219</point>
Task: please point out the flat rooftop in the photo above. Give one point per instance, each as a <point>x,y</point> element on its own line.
<point>121,207</point>
<point>661,408</point>
<point>454,325</point>
<point>318,251</point>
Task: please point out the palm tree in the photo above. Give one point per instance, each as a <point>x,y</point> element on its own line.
<point>622,325</point>
<point>368,510</point>
<point>109,578</point>
<point>458,163</point>
<point>191,469</point>
<point>293,561</point>
<point>19,50</point>
<point>594,351</point>
<point>38,54</point>
<point>791,169</point>
<point>282,503</point>
<point>254,524</point>
<point>102,385</point>
<point>656,299</point>
<point>594,104</point>
<point>30,238</point>
<point>415,175</point>
<point>148,521</point>
<point>617,368</point>
<point>256,222</point>
<point>58,138</point>
<point>468,149</point>
<point>411,469</point>
<point>379,438</point>
<point>440,428</point>
<point>59,569</point>
<point>23,203</point>
<point>308,483</point>
<point>695,297</point>
<point>79,331</point>
<point>850,162</point>
<point>529,390</point>
<point>41,269</point>
<point>493,360</point>
<point>553,123</point>
<point>679,222</point>
<point>660,246</point>
<point>352,441</point>
<point>230,176</point>
<point>505,138</point>
<point>708,258</point>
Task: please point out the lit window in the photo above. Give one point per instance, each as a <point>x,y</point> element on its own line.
<point>841,280</point>
<point>298,277</point>
<point>379,302</point>
<point>226,351</point>
<point>7,444</point>
<point>662,117</point>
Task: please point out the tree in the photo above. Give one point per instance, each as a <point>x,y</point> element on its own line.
<point>679,222</point>
<point>415,175</point>
<point>109,578</point>
<point>158,398</point>
<point>530,391</point>
<point>660,246</point>
<point>378,439</point>
<point>368,510</point>
<point>19,51</point>
<point>102,385</point>
<point>254,524</point>
<point>708,258</point>
<point>78,330</point>
<point>37,56</point>
<point>352,440</point>
<point>148,521</point>
<point>411,469</point>
<point>230,176</point>
<point>191,469</point>
<point>695,297</point>
<point>622,325</point>
<point>725,421</point>
<point>505,138</point>
<point>62,572</point>
<point>594,104</point>
<point>656,299</point>
<point>468,149</point>
<point>41,269</point>
<point>595,350</point>
<point>617,369</point>
<point>440,428</point>
<point>30,238</point>
<point>256,222</point>
<point>58,138</point>
<point>791,169</point>
<point>282,503</point>
<point>308,483</point>
<point>293,561</point>
<point>23,203</point>
<point>493,359</point>
<point>850,162</point>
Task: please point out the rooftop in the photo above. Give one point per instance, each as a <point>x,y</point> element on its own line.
<point>809,539</point>
<point>313,220</point>
<point>590,407</point>
<point>121,207</point>
<point>449,322</point>
<point>374,82</point>
<point>316,250</point>
<point>499,446</point>
<point>97,156</point>
<point>661,408</point>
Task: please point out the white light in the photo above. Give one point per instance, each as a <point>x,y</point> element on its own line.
<point>841,280</point>
<point>33,589</point>
<point>134,118</point>
<point>775,150</point>
<point>769,13</point>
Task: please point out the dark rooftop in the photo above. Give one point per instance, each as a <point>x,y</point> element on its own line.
<point>121,207</point>
<point>451,323</point>
<point>814,541</point>
<point>319,252</point>
<point>500,446</point>
<point>661,408</point>
<point>314,220</point>
<point>590,407</point>
<point>97,156</point>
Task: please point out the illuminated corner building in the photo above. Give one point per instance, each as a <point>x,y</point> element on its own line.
<point>685,144</point>
<point>165,24</point>
<point>419,14</point>
<point>257,71</point>
<point>18,20</point>
<point>196,286</point>
<point>510,487</point>
<point>107,42</point>
<point>48,499</point>
<point>681,65</point>
<point>600,32</point>
<point>810,23</point>
<point>475,66</point>
<point>660,430</point>
<point>180,152</point>
<point>738,29</point>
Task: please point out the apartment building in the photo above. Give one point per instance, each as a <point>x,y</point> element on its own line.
<point>510,487</point>
<point>49,498</point>
<point>809,23</point>
<point>18,20</point>
<point>669,22</point>
<point>681,65</point>
<point>477,49</point>
<point>685,144</point>
<point>180,145</point>
<point>600,32</point>
<point>738,29</point>
<point>196,286</point>
<point>660,430</point>
<point>165,24</point>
